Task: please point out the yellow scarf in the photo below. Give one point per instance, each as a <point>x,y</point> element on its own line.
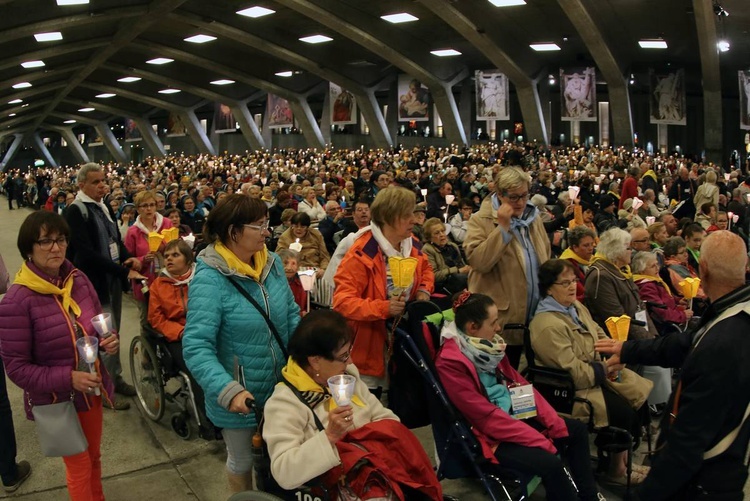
<point>31,280</point>
<point>253,271</point>
<point>301,380</point>
<point>650,173</point>
<point>637,277</point>
<point>569,254</point>
<point>625,270</point>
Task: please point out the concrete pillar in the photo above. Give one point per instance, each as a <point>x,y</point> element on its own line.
<point>196,132</point>
<point>267,132</point>
<point>247,126</point>
<point>391,118</point>
<point>43,151</point>
<point>448,109</point>
<point>303,114</point>
<point>11,151</point>
<point>713,126</point>
<point>150,137</point>
<point>111,142</point>
<point>368,105</point>
<point>74,145</point>
<point>533,118</point>
<point>464,107</point>
<point>325,118</point>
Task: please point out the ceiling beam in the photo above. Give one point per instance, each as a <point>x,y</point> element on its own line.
<point>131,95</point>
<point>128,32</point>
<point>10,61</point>
<point>73,116</point>
<point>39,75</point>
<point>33,91</point>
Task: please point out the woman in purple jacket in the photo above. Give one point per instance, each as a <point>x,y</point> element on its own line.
<point>479,380</point>
<point>48,307</point>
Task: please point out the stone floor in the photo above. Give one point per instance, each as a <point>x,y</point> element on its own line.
<point>143,460</point>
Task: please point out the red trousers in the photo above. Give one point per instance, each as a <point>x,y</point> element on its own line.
<point>83,471</point>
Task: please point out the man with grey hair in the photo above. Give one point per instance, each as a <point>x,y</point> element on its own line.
<point>703,443</point>
<point>331,224</point>
<point>96,249</point>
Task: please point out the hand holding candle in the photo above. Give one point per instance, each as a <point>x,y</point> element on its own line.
<point>88,349</point>
<point>103,324</point>
<point>341,387</point>
<point>689,288</point>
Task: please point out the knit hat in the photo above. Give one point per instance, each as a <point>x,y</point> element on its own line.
<point>606,201</point>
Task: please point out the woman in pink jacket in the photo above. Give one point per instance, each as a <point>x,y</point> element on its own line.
<point>479,379</point>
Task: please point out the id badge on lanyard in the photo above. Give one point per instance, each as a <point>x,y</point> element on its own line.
<point>523,404</point>
<point>114,251</point>
<point>640,315</point>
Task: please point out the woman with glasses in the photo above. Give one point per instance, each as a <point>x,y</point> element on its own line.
<point>239,296</point>
<point>49,306</point>
<point>300,450</point>
<point>676,263</point>
<point>581,244</point>
<point>314,253</point>
<point>563,334</point>
<point>505,244</point>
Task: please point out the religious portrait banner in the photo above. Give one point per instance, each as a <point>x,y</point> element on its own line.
<point>224,119</point>
<point>578,95</point>
<point>744,77</point>
<point>667,97</point>
<point>343,106</point>
<point>492,95</point>
<point>131,131</point>
<point>175,127</point>
<point>413,100</point>
<point>279,112</point>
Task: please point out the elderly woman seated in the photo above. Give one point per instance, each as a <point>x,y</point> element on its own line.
<point>562,337</point>
<point>309,435</point>
<point>581,243</point>
<point>479,378</point>
<point>677,268</point>
<point>654,290</point>
<point>313,253</point>
<point>450,269</point>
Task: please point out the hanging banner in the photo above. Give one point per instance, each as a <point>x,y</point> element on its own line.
<point>224,119</point>
<point>491,95</point>
<point>413,100</point>
<point>744,100</point>
<point>343,106</point>
<point>667,98</point>
<point>131,131</point>
<point>175,127</point>
<point>279,113</point>
<point>578,95</point>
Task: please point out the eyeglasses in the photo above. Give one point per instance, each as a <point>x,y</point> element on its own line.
<point>567,283</point>
<point>516,198</point>
<point>147,206</point>
<point>46,243</point>
<point>343,358</point>
<point>257,227</point>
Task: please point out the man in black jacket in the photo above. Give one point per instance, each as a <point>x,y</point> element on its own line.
<point>705,432</point>
<point>97,250</point>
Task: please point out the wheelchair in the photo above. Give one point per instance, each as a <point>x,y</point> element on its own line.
<point>152,367</point>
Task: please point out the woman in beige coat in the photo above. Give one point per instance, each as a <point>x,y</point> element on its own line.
<point>314,253</point>
<point>562,337</point>
<point>505,244</point>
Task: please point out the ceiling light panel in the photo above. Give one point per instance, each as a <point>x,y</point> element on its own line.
<point>22,85</point>
<point>401,17</point>
<point>106,95</point>
<point>86,110</point>
<point>284,74</point>
<point>69,122</point>
<point>652,44</point>
<point>33,64</point>
<point>316,39</point>
<point>544,47</point>
<point>72,2</point>
<point>128,79</point>
<point>223,81</point>
<point>48,37</point>
<point>507,3</point>
<point>445,52</point>
<point>12,115</point>
<point>15,101</point>
<point>160,60</point>
<point>200,39</point>
<point>169,91</point>
<point>255,12</point>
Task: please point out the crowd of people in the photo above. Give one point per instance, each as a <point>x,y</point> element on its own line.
<point>558,239</point>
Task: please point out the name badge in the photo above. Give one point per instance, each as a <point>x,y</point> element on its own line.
<point>114,252</point>
<point>640,315</point>
<point>522,401</point>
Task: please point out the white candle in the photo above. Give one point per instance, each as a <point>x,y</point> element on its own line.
<point>90,355</point>
<point>296,246</point>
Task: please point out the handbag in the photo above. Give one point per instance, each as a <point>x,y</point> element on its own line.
<point>58,429</point>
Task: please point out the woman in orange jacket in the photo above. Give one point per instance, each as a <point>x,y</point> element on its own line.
<point>365,293</point>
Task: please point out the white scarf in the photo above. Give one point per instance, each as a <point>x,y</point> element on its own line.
<point>386,246</point>
<point>87,199</point>
<point>158,222</point>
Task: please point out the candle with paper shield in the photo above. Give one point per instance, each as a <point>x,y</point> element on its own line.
<point>296,246</point>
<point>103,324</point>
<point>730,217</point>
<point>637,203</point>
<point>423,191</point>
<point>88,346</point>
<point>154,241</point>
<point>341,387</point>
<point>689,288</point>
<point>650,220</point>
<point>307,277</point>
<point>190,240</point>
<point>573,192</point>
<point>618,327</point>
<point>170,234</point>
<point>726,177</point>
<point>402,272</point>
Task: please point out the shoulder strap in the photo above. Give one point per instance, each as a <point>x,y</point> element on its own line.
<point>302,399</point>
<point>726,442</point>
<point>263,313</point>
<point>82,207</point>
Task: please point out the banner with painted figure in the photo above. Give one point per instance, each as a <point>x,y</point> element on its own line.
<point>744,77</point>
<point>175,127</point>
<point>492,95</point>
<point>279,112</point>
<point>131,131</point>
<point>224,119</point>
<point>578,94</point>
<point>413,100</point>
<point>343,106</point>
<point>667,98</point>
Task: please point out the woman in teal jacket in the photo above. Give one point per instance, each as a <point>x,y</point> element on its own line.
<point>228,346</point>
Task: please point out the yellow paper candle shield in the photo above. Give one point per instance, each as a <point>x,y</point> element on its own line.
<point>402,270</point>
<point>618,327</point>
<point>170,234</point>
<point>154,241</point>
<point>689,287</point>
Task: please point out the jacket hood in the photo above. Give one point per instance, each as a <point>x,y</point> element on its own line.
<point>212,259</point>
<point>174,279</point>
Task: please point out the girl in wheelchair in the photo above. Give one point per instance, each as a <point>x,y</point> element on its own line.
<point>167,310</point>
<point>514,430</point>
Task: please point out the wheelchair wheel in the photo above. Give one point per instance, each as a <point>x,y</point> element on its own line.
<point>254,496</point>
<point>146,372</point>
<point>181,425</point>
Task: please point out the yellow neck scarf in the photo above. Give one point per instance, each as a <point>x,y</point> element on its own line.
<point>253,270</point>
<point>637,277</point>
<point>569,254</point>
<point>301,380</point>
<point>625,270</point>
<point>31,280</point>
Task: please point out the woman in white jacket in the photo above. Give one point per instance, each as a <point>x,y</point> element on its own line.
<point>311,206</point>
